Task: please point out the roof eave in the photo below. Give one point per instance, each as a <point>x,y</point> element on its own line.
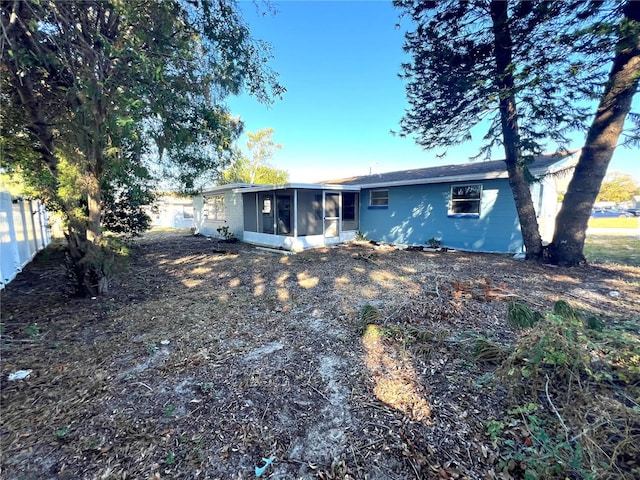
<point>296,186</point>
<point>447,179</point>
<point>224,188</point>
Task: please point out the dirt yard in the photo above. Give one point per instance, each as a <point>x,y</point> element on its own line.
<point>207,358</point>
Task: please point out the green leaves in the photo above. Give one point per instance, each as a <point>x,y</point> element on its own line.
<point>107,80</point>
<point>256,169</point>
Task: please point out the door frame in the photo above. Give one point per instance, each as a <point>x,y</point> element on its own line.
<point>326,220</point>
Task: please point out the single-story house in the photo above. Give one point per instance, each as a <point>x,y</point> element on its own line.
<point>467,206</point>
<point>289,216</point>
<point>172,212</point>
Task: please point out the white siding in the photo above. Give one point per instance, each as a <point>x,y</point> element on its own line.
<point>233,216</point>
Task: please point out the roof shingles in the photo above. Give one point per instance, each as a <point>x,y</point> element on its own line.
<point>481,170</point>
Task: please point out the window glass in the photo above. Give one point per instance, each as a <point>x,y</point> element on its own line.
<point>465,200</point>
<point>187,211</point>
<point>379,198</point>
<point>349,205</point>
<point>214,208</point>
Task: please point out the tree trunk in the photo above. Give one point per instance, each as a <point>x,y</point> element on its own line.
<point>572,220</point>
<point>94,207</point>
<point>87,259</point>
<point>516,167</point>
<point>85,264</point>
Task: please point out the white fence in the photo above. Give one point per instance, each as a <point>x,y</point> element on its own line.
<point>24,231</point>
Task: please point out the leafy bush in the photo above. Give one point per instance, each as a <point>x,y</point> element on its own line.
<point>123,211</point>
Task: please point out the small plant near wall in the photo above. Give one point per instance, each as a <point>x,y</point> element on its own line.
<point>225,233</point>
<point>434,242</point>
<point>361,236</point>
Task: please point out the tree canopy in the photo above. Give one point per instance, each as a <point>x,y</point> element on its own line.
<point>618,187</point>
<point>89,88</point>
<point>255,167</point>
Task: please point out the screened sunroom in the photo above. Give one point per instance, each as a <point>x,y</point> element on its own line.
<point>300,216</point>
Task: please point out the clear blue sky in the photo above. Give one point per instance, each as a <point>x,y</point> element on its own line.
<point>340,63</point>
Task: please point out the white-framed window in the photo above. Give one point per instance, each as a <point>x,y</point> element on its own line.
<point>214,208</point>
<point>187,211</point>
<point>378,198</point>
<point>465,200</point>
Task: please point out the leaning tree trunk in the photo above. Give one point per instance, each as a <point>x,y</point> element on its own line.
<point>572,220</point>
<point>516,167</point>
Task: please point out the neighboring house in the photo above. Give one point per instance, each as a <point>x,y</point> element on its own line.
<point>290,216</point>
<point>468,206</point>
<point>172,212</point>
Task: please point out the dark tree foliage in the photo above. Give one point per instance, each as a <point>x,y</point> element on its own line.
<point>126,193</point>
<point>453,79</point>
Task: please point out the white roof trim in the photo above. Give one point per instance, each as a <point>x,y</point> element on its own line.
<point>296,186</point>
<point>449,179</point>
<point>224,188</point>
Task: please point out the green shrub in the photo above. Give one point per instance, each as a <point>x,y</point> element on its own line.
<point>574,388</point>
<point>434,242</point>
<point>520,316</point>
<point>369,315</point>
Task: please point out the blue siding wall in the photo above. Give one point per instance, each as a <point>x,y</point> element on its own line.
<point>417,213</point>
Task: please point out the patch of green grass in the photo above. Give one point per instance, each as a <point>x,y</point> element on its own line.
<point>369,315</point>
<point>624,250</point>
<point>519,316</point>
<point>612,222</point>
<point>169,229</point>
